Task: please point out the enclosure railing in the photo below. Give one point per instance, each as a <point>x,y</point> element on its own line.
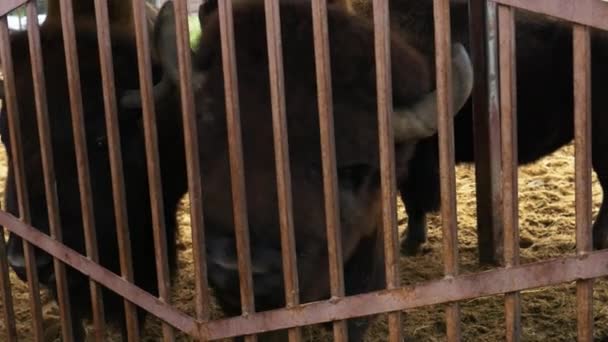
<point>451,289</point>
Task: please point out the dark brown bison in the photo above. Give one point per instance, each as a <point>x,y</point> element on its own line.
<point>544,103</point>
<point>356,139</point>
<point>133,152</point>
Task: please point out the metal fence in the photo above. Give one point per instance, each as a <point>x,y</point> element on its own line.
<point>451,289</point>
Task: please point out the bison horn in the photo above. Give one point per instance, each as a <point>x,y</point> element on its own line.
<point>165,43</point>
<point>420,120</point>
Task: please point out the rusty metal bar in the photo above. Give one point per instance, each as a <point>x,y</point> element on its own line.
<point>584,202</point>
<point>281,145</point>
<point>441,9</point>
<point>235,147</point>
<point>44,135</point>
<point>446,290</point>
<point>6,60</point>
<point>508,109</point>
<point>5,293</point>
<point>486,132</point>
<point>449,289</point>
<point>115,156</point>
<point>8,5</point>
<point>101,275</point>
<point>191,144</point>
<point>585,12</point>
<point>152,159</point>
<point>82,159</point>
<point>5,282</point>
<point>387,157</point>
<point>328,157</point>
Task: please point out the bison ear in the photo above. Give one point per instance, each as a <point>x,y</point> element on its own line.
<point>419,120</point>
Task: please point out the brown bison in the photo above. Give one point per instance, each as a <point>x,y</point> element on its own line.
<point>356,141</point>
<point>133,152</point>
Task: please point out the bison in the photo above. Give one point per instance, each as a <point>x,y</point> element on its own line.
<point>544,104</point>
<point>356,142</point>
<point>133,152</point>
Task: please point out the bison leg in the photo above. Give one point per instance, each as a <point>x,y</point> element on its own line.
<point>420,194</point>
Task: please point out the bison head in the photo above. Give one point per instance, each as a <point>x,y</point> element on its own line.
<point>356,139</point>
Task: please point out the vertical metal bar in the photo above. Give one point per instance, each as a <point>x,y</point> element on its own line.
<point>328,156</point>
<point>387,155</point>
<point>441,9</point>
<point>44,135</point>
<point>192,160</point>
<point>6,61</point>
<point>508,109</point>
<point>152,159</point>
<point>281,145</point>
<point>237,170</point>
<point>115,156</point>
<point>486,132</point>
<point>5,293</point>
<point>582,141</point>
<point>82,160</point>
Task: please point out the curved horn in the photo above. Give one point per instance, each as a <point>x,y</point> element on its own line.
<point>420,120</point>
<point>165,40</point>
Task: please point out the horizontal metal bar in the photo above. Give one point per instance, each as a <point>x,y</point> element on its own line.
<point>6,6</point>
<point>449,289</point>
<point>585,12</point>
<point>497,281</point>
<point>101,275</point>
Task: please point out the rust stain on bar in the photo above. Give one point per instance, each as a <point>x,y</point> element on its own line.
<point>235,148</point>
<point>6,6</point>
<point>328,157</point>
<point>101,275</point>
<point>582,141</point>
<point>387,155</point>
<point>281,144</point>
<point>82,159</point>
<point>191,143</point>
<point>44,134</point>
<point>441,9</point>
<point>508,102</point>
<point>115,157</point>
<point>584,12</point>
<point>446,290</point>
<point>6,61</point>
<point>5,291</point>
<point>152,158</point>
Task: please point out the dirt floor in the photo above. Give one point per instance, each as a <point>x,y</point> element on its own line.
<point>547,231</point>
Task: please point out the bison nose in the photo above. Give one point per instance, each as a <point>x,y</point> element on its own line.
<point>16,259</point>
